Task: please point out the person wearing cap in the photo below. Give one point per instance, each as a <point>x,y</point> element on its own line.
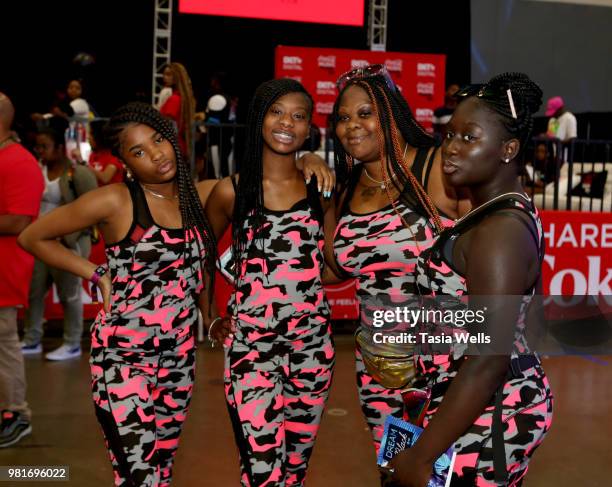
<point>562,124</point>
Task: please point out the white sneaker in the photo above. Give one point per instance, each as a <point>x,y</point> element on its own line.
<point>64,353</point>
<point>30,349</point>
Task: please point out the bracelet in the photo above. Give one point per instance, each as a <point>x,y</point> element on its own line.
<point>210,338</point>
<point>98,273</point>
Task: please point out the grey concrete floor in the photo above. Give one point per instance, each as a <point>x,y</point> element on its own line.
<point>65,431</point>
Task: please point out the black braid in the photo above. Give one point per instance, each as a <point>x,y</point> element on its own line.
<point>192,213</point>
<point>249,195</point>
<point>400,114</point>
<point>527,98</point>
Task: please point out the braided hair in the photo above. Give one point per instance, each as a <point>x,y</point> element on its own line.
<point>190,206</point>
<point>249,202</point>
<point>182,84</point>
<point>395,118</point>
<point>526,97</point>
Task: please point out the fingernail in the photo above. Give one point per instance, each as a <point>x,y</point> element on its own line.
<point>319,188</point>
<point>307,180</point>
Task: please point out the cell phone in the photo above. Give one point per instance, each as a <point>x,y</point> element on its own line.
<point>416,403</point>
<point>226,265</point>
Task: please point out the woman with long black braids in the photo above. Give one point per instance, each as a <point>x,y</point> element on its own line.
<point>279,360</point>
<point>158,244</point>
<point>495,408</point>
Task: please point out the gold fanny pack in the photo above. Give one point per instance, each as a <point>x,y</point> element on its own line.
<point>389,367</point>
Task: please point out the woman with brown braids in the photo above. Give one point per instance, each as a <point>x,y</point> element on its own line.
<point>158,243</point>
<point>180,106</point>
<point>391,207</point>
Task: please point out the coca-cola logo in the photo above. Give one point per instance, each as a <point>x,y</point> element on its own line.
<point>326,88</point>
<point>573,271</point>
<point>292,63</point>
<point>425,88</point>
<point>576,282</point>
<point>327,62</point>
<point>324,108</point>
<point>426,69</point>
<point>394,65</point>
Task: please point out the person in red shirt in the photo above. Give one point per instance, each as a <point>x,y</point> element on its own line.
<point>180,106</point>
<point>107,168</point>
<point>21,188</point>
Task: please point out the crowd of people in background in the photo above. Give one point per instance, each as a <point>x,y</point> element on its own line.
<point>130,181</point>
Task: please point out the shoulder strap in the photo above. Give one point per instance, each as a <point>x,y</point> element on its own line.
<point>419,163</point>
<point>142,219</point>
<point>314,201</point>
<point>529,224</point>
<point>428,167</point>
<point>350,189</point>
<point>510,201</point>
<point>503,205</point>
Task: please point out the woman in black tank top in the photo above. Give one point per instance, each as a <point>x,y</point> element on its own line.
<point>494,409</point>
<point>386,217</point>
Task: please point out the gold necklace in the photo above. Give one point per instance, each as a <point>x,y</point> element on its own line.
<point>159,195</point>
<point>384,182</point>
<point>491,201</point>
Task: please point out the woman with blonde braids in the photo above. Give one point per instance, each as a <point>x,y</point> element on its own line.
<point>158,243</point>
<point>180,106</point>
<point>389,210</point>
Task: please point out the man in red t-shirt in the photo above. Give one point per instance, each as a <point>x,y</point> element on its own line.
<point>21,189</point>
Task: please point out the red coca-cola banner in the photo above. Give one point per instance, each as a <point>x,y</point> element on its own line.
<point>420,77</point>
<point>577,262</point>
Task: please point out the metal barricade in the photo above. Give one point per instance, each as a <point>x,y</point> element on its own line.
<point>571,176</point>
<point>219,147</point>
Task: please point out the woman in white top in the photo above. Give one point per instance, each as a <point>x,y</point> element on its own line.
<point>73,106</point>
<point>63,184</point>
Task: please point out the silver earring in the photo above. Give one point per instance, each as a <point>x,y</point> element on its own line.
<point>507,160</point>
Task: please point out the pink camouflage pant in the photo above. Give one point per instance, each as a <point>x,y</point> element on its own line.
<point>276,399</point>
<point>141,401</point>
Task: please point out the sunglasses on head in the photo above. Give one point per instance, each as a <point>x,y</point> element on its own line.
<point>477,90</point>
<point>363,72</point>
<point>487,92</point>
